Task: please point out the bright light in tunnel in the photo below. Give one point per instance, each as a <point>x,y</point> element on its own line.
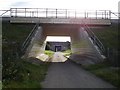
<point>58,38</point>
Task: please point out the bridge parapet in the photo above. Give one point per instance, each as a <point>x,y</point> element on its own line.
<point>59,13</point>
<point>59,16</point>
<point>48,15</point>
<point>60,20</point>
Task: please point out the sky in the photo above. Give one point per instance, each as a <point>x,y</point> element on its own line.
<point>62,4</point>
<point>58,38</point>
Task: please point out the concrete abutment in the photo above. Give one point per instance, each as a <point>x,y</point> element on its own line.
<point>83,51</point>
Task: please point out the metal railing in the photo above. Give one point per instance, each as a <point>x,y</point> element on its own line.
<point>29,38</point>
<point>59,13</point>
<point>3,12</point>
<point>115,15</point>
<point>95,39</point>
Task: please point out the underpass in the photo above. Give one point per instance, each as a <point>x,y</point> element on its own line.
<point>84,51</point>
<point>55,22</point>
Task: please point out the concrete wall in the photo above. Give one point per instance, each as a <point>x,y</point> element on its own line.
<point>37,44</point>
<point>60,20</point>
<point>80,43</point>
<point>63,45</point>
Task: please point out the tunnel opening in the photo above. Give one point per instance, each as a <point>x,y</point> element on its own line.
<point>58,43</point>
<point>58,47</point>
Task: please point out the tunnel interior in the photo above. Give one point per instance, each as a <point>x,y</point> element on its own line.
<point>58,43</point>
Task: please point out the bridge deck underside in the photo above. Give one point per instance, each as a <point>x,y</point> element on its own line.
<point>60,20</point>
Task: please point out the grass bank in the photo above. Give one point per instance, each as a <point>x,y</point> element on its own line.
<point>67,52</point>
<point>15,32</point>
<point>108,35</point>
<point>49,53</point>
<point>17,73</point>
<point>30,76</point>
<point>105,71</point>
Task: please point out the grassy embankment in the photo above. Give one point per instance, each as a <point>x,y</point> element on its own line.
<point>67,52</point>
<point>106,72</point>
<point>49,53</point>
<point>109,37</point>
<point>18,73</point>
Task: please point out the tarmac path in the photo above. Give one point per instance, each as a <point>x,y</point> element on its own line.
<point>71,75</point>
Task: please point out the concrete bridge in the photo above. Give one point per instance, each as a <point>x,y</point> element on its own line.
<point>63,22</point>
<point>59,16</point>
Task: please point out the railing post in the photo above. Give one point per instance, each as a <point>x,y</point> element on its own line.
<point>16,12</point>
<point>56,13</point>
<point>75,14</point>
<point>96,14</point>
<point>85,14</point>
<point>25,12</point>
<point>46,12</point>
<point>10,12</point>
<point>66,13</point>
<point>109,14</point>
<point>105,14</point>
<point>32,13</point>
<point>102,15</point>
<point>37,12</point>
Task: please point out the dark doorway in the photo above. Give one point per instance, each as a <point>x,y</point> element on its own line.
<point>57,48</point>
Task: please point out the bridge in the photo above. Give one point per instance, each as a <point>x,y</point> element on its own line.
<point>58,16</point>
<point>63,22</point>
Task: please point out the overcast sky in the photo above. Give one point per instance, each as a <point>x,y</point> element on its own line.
<point>66,4</point>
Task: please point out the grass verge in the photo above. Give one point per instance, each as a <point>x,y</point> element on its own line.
<point>17,73</point>
<point>108,35</point>
<point>106,72</point>
<point>49,53</point>
<point>31,76</point>
<point>67,52</point>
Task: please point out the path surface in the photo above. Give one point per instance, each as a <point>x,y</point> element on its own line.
<point>58,57</point>
<point>70,75</point>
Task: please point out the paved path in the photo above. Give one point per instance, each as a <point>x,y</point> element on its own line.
<point>71,75</point>
<point>58,57</point>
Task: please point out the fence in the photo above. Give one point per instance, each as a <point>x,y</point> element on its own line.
<point>4,13</point>
<point>112,55</point>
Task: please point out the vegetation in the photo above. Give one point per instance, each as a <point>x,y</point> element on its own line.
<point>15,32</point>
<point>108,35</point>
<point>0,85</point>
<point>18,73</point>
<point>67,52</point>
<point>28,76</point>
<point>105,71</point>
<point>49,53</point>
